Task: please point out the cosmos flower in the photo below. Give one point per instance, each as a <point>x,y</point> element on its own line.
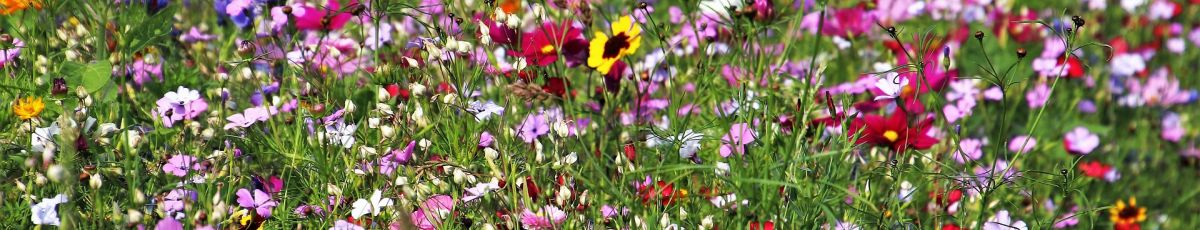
<point>606,51</point>
<point>331,16</point>
<point>260,201</point>
<point>533,127</point>
<point>180,165</point>
<point>1022,144</point>
<point>12,6</point>
<point>736,139</point>
<point>1081,141</point>
<point>432,212</point>
<point>1095,169</point>
<point>542,47</point>
<point>893,131</point>
<point>968,150</point>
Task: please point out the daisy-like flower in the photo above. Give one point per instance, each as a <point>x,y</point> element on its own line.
<point>606,51</point>
<point>893,131</point>
<point>28,108</point>
<point>1127,215</point>
<point>541,47</point>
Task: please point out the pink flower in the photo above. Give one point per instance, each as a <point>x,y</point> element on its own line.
<point>735,141</point>
<point>1081,141</point>
<point>546,218</point>
<point>1038,96</point>
<point>968,150</point>
<point>260,201</point>
<point>432,212</point>
<point>1022,144</point>
<point>10,54</point>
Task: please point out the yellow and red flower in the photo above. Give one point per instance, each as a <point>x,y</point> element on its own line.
<point>606,51</point>
<point>1127,216</point>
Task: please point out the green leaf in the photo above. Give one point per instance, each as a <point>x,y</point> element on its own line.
<point>97,79</point>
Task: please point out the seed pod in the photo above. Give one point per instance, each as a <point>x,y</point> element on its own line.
<point>642,5</point>
<point>891,30</point>
<point>1079,22</point>
<point>1021,53</point>
<point>287,10</point>
<point>979,35</point>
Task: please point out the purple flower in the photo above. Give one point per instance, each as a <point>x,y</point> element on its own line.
<point>241,12</point>
<point>179,165</point>
<point>1081,141</point>
<point>260,201</point>
<point>533,127</point>
<point>248,117</point>
<point>195,35</point>
<point>486,139</point>
<point>10,54</point>
<point>968,150</point>
<point>175,200</point>
<point>739,135</point>
<point>182,104</point>
<point>168,224</point>
<point>141,71</point>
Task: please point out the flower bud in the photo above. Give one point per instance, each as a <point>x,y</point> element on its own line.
<point>95,182</point>
<point>979,35</point>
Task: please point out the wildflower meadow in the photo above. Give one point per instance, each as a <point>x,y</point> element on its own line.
<point>592,114</point>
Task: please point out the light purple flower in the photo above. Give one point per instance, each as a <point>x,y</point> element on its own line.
<point>533,127</point>
<point>1002,221</point>
<point>993,94</point>
<point>175,200</point>
<point>168,224</point>
<point>1022,144</point>
<point>182,104</point>
<point>195,35</point>
<point>179,165</point>
<point>968,150</point>
<point>260,201</point>
<point>1081,141</point>
<point>142,71</point>
<point>739,135</point>
<point>1172,127</point>
<point>11,54</point>
<point>1124,65</point>
<point>344,225</point>
<point>249,117</point>
<point>1038,96</point>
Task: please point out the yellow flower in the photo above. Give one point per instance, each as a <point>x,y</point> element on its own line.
<point>1123,214</point>
<point>11,6</point>
<point>28,108</point>
<point>605,51</point>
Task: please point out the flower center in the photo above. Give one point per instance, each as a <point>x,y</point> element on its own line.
<point>891,135</point>
<point>1128,213</point>
<point>615,45</point>
<point>547,49</point>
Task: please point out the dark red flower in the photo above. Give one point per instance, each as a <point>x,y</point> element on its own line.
<point>767,225</point>
<point>662,191</point>
<point>893,131</point>
<point>1095,169</point>
<point>541,47</point>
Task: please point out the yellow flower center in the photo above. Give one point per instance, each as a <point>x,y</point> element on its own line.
<point>891,135</point>
<point>547,49</point>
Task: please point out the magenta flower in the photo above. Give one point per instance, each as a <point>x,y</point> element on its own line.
<point>248,117</point>
<point>179,165</point>
<point>183,104</point>
<point>486,139</point>
<point>739,135</point>
<point>546,218</point>
<point>175,200</point>
<point>312,17</point>
<point>168,223</point>
<point>533,127</point>
<point>260,201</point>
<point>1081,141</point>
<point>1022,144</point>
<point>141,71</point>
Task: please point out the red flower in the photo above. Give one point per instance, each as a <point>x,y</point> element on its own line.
<point>893,131</point>
<point>1095,169</point>
<point>630,152</point>
<point>663,191</point>
<point>1130,226</point>
<point>755,225</point>
<point>542,46</point>
<point>950,226</point>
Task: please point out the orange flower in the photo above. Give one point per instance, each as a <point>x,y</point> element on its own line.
<point>28,108</point>
<point>11,6</point>
<point>1127,215</point>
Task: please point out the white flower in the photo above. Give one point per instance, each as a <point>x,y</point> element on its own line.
<point>891,86</point>
<point>44,213</point>
<point>43,137</point>
<point>372,206</point>
<point>484,109</point>
<point>341,134</point>
<point>479,190</point>
<point>1127,64</point>
<point>906,191</point>
<point>182,95</point>
<point>719,8</point>
<point>1001,221</point>
<point>690,143</point>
